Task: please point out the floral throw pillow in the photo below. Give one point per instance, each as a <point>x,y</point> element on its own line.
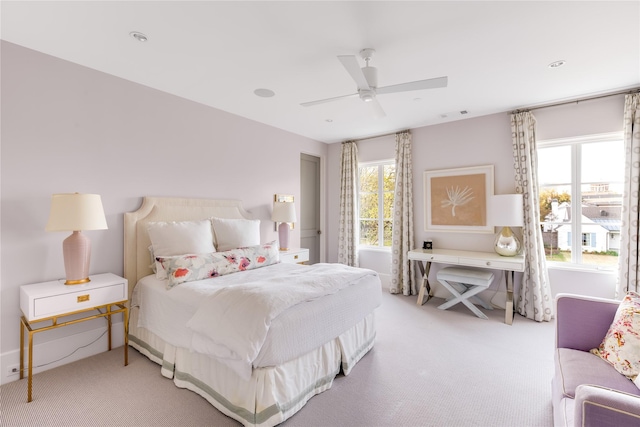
<point>187,268</point>
<point>621,344</point>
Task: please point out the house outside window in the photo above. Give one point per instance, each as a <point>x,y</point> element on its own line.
<point>375,203</point>
<point>590,170</point>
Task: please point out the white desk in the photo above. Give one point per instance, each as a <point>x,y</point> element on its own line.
<point>489,260</point>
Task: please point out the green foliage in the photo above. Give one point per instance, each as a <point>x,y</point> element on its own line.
<point>546,197</point>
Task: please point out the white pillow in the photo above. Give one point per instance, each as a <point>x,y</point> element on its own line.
<point>236,233</point>
<point>180,238</point>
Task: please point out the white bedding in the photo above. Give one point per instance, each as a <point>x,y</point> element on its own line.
<point>241,315</point>
<point>167,312</point>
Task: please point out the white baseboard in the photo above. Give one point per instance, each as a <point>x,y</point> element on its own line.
<point>386,281</point>
<point>51,354</point>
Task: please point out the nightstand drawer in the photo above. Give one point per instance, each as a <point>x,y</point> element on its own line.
<point>294,256</point>
<point>80,300</point>
<point>43,300</point>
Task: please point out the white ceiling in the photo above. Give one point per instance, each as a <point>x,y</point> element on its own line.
<point>496,54</point>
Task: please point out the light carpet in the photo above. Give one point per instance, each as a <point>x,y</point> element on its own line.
<point>428,368</point>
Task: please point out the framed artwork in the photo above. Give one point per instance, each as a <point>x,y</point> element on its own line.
<point>456,200</point>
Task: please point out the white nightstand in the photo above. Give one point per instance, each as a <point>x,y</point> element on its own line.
<point>300,255</point>
<point>50,301</point>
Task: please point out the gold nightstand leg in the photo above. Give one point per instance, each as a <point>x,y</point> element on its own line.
<point>25,324</point>
<point>125,318</point>
<point>109,324</point>
<point>22,348</point>
<point>30,367</point>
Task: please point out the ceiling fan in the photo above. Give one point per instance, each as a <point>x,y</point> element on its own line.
<point>366,79</point>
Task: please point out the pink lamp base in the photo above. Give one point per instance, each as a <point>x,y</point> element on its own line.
<point>77,254</point>
<point>283,236</point>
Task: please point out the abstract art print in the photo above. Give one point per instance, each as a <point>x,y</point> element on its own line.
<point>456,199</point>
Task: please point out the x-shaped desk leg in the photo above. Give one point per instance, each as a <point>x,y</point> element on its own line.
<point>425,288</point>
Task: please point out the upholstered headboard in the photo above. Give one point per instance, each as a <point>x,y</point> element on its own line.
<point>137,261</point>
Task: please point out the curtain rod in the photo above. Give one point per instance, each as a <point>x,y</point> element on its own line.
<point>578,100</point>
<point>378,136</point>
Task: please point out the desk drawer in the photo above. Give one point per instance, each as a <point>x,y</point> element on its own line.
<point>48,306</point>
<point>486,263</point>
<point>445,259</point>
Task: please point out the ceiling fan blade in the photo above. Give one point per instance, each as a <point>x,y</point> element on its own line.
<point>417,85</point>
<point>322,101</point>
<point>377,108</point>
<point>352,66</point>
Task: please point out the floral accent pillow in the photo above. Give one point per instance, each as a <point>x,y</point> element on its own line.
<point>187,268</point>
<point>621,344</point>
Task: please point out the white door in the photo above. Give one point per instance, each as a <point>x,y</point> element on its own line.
<point>310,206</point>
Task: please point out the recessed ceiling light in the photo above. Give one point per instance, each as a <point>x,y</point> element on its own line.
<point>264,93</point>
<point>138,36</point>
<point>556,64</point>
<point>329,120</point>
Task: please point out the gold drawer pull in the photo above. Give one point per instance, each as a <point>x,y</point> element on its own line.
<point>83,298</point>
<point>295,257</point>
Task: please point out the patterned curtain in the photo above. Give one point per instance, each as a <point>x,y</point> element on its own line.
<point>534,300</point>
<point>628,263</point>
<point>348,233</point>
<point>402,234</point>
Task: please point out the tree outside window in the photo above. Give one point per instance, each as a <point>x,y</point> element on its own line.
<point>376,188</point>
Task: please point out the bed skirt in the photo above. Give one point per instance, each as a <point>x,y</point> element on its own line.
<point>272,394</point>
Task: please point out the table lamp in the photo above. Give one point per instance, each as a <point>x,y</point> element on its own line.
<point>284,213</point>
<point>76,212</point>
<point>506,212</point>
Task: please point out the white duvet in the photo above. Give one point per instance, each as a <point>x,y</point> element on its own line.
<point>232,323</point>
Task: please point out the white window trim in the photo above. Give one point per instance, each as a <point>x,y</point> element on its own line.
<point>577,235</point>
<point>380,205</point>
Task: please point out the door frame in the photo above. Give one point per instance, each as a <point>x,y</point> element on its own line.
<point>322,190</point>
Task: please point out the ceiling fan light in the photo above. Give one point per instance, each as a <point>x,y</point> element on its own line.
<point>366,95</point>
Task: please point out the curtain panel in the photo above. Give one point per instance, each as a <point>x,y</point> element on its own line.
<point>628,263</point>
<point>348,231</point>
<point>534,299</point>
<point>402,279</point>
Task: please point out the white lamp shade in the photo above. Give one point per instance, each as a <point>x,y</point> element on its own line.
<point>284,212</point>
<point>76,212</point>
<point>506,210</point>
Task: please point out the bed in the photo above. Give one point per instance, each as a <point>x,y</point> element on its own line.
<point>325,326</point>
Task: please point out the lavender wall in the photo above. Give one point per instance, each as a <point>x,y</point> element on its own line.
<point>67,128</point>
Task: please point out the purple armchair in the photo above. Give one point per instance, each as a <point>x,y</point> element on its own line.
<point>586,390</point>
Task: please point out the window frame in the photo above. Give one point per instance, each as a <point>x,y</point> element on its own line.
<point>380,164</point>
<point>576,233</point>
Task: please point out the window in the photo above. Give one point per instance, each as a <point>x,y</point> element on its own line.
<point>589,170</point>
<point>375,207</point>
